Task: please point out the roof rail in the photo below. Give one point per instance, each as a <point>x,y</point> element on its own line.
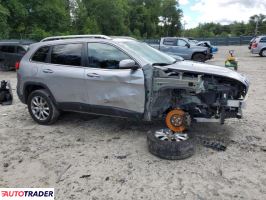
<point>123,37</point>
<point>74,37</point>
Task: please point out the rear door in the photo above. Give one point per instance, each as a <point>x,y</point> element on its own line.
<point>64,74</point>
<point>111,90</point>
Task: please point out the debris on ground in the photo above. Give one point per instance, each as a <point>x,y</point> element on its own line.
<point>62,173</point>
<point>6,96</point>
<point>212,143</point>
<point>6,165</point>
<point>85,176</point>
<point>121,157</point>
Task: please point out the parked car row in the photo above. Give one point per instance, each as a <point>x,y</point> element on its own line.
<point>258,45</point>
<point>187,49</point>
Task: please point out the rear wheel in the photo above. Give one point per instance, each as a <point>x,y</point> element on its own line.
<point>42,108</point>
<point>199,57</point>
<point>263,53</point>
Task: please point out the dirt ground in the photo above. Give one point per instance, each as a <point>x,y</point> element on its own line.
<point>88,157</point>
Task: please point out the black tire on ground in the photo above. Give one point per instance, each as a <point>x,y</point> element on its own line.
<point>263,53</point>
<point>54,112</point>
<point>200,57</point>
<point>171,150</point>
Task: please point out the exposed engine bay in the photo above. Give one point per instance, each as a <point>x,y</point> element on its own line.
<point>205,97</point>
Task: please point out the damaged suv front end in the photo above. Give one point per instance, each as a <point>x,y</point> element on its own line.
<point>206,93</point>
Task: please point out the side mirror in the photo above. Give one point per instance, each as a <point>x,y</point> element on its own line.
<point>128,64</point>
<point>187,45</point>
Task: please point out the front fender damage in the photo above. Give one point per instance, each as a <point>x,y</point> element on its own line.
<point>205,97</point>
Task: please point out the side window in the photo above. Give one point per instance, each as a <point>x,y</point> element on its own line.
<point>181,43</point>
<point>20,50</point>
<point>41,54</point>
<point>8,49</point>
<point>67,54</point>
<point>105,56</point>
<point>263,40</point>
<point>169,42</point>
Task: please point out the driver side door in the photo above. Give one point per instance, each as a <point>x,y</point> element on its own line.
<point>112,91</point>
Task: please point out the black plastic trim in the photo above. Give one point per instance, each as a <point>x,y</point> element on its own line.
<point>99,110</point>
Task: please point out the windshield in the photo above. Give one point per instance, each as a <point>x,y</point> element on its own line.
<point>148,53</point>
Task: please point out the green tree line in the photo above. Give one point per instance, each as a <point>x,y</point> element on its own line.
<point>234,29</point>
<point>36,19</point>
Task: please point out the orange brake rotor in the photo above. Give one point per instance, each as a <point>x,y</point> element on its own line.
<point>175,120</point>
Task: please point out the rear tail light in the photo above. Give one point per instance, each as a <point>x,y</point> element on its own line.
<point>17,65</point>
<point>254,45</point>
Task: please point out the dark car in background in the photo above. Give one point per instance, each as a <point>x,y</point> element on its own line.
<point>11,51</point>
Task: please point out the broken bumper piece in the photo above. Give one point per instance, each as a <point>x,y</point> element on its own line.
<point>234,110</point>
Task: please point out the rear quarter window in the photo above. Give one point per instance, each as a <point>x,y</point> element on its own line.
<point>41,54</point>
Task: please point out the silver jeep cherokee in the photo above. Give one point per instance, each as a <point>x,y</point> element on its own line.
<point>123,77</point>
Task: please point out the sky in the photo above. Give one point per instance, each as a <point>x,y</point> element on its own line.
<point>219,11</point>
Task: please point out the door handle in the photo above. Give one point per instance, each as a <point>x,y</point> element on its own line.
<point>48,71</point>
<point>93,75</point>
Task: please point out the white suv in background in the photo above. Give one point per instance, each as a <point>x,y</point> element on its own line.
<point>259,46</point>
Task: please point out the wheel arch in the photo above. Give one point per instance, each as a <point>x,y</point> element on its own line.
<point>197,52</point>
<point>29,87</point>
<point>263,49</point>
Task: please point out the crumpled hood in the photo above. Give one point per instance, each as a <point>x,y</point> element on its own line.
<point>209,69</point>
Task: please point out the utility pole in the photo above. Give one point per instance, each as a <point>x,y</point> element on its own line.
<point>257,26</point>
<point>184,27</point>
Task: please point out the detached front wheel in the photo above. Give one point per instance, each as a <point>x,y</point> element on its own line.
<point>169,145</point>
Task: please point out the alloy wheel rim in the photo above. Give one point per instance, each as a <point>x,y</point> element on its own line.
<point>264,53</point>
<point>168,135</point>
<point>40,108</point>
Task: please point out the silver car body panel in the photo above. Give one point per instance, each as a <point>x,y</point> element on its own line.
<point>66,83</point>
<point>209,69</point>
<point>118,88</point>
